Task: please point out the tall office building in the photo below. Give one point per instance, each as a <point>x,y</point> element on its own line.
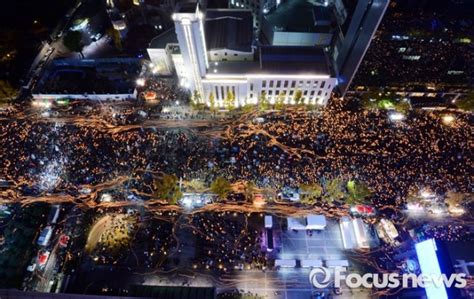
<point>363,23</point>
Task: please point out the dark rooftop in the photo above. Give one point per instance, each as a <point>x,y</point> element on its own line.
<point>229,29</point>
<point>299,16</point>
<point>293,60</point>
<point>100,76</point>
<point>167,37</point>
<point>186,7</point>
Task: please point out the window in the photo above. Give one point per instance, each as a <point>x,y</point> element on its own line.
<point>278,84</point>
<point>235,54</point>
<point>329,86</point>
<point>215,54</point>
<point>225,53</point>
<point>319,93</point>
<point>305,93</point>
<point>322,84</point>
<point>270,92</point>
<point>293,84</point>
<point>251,95</point>
<point>251,86</point>
<point>222,92</point>
<point>217,91</point>
<point>285,84</point>
<point>291,92</point>
<point>312,92</point>
<point>271,83</point>
<point>264,83</point>
<point>308,83</point>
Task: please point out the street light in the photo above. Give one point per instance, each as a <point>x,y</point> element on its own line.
<point>396,116</point>
<point>448,119</point>
<point>140,82</point>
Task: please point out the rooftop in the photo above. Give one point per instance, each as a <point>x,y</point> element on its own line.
<point>299,16</point>
<point>186,7</point>
<point>100,76</point>
<point>167,37</point>
<point>292,60</point>
<point>229,29</point>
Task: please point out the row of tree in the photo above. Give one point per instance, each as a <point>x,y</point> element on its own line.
<point>263,101</point>
<point>351,192</point>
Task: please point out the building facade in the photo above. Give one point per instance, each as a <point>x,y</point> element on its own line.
<point>217,60</point>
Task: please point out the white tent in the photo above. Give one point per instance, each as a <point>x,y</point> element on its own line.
<point>317,222</point>
<point>296,223</point>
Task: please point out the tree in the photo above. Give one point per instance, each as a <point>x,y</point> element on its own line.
<point>357,191</point>
<point>7,92</point>
<point>196,96</point>
<point>309,193</point>
<point>402,107</point>
<point>229,101</point>
<point>167,188</point>
<point>333,190</point>
<point>221,187</point>
<point>196,185</point>
<point>73,41</point>
<point>263,101</point>
<point>298,97</point>
<point>212,103</point>
<point>369,99</point>
<point>115,34</point>
<point>249,191</point>
<point>247,108</point>
<point>456,199</point>
<point>466,103</point>
<point>280,101</point>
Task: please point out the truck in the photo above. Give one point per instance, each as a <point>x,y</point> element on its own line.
<point>45,236</point>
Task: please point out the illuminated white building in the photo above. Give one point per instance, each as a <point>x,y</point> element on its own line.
<point>213,53</point>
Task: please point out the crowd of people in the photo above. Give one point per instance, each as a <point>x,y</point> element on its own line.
<point>448,232</point>
<point>418,48</point>
<point>228,241</point>
<point>392,157</point>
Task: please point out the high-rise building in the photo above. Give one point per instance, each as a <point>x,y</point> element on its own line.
<point>364,21</point>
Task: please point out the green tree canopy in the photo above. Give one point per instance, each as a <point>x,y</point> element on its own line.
<point>263,101</point>
<point>309,193</point>
<point>249,191</point>
<point>229,101</point>
<point>221,187</point>
<point>167,188</point>
<point>357,191</point>
<point>298,97</point>
<point>466,103</point>
<point>73,41</point>
<point>280,101</point>
<point>212,103</point>
<point>333,190</point>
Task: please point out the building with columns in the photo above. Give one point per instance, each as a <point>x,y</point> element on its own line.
<point>212,52</point>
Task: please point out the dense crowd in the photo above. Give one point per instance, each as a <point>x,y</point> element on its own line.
<point>392,158</point>
<point>228,241</point>
<point>448,232</point>
<point>416,48</point>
